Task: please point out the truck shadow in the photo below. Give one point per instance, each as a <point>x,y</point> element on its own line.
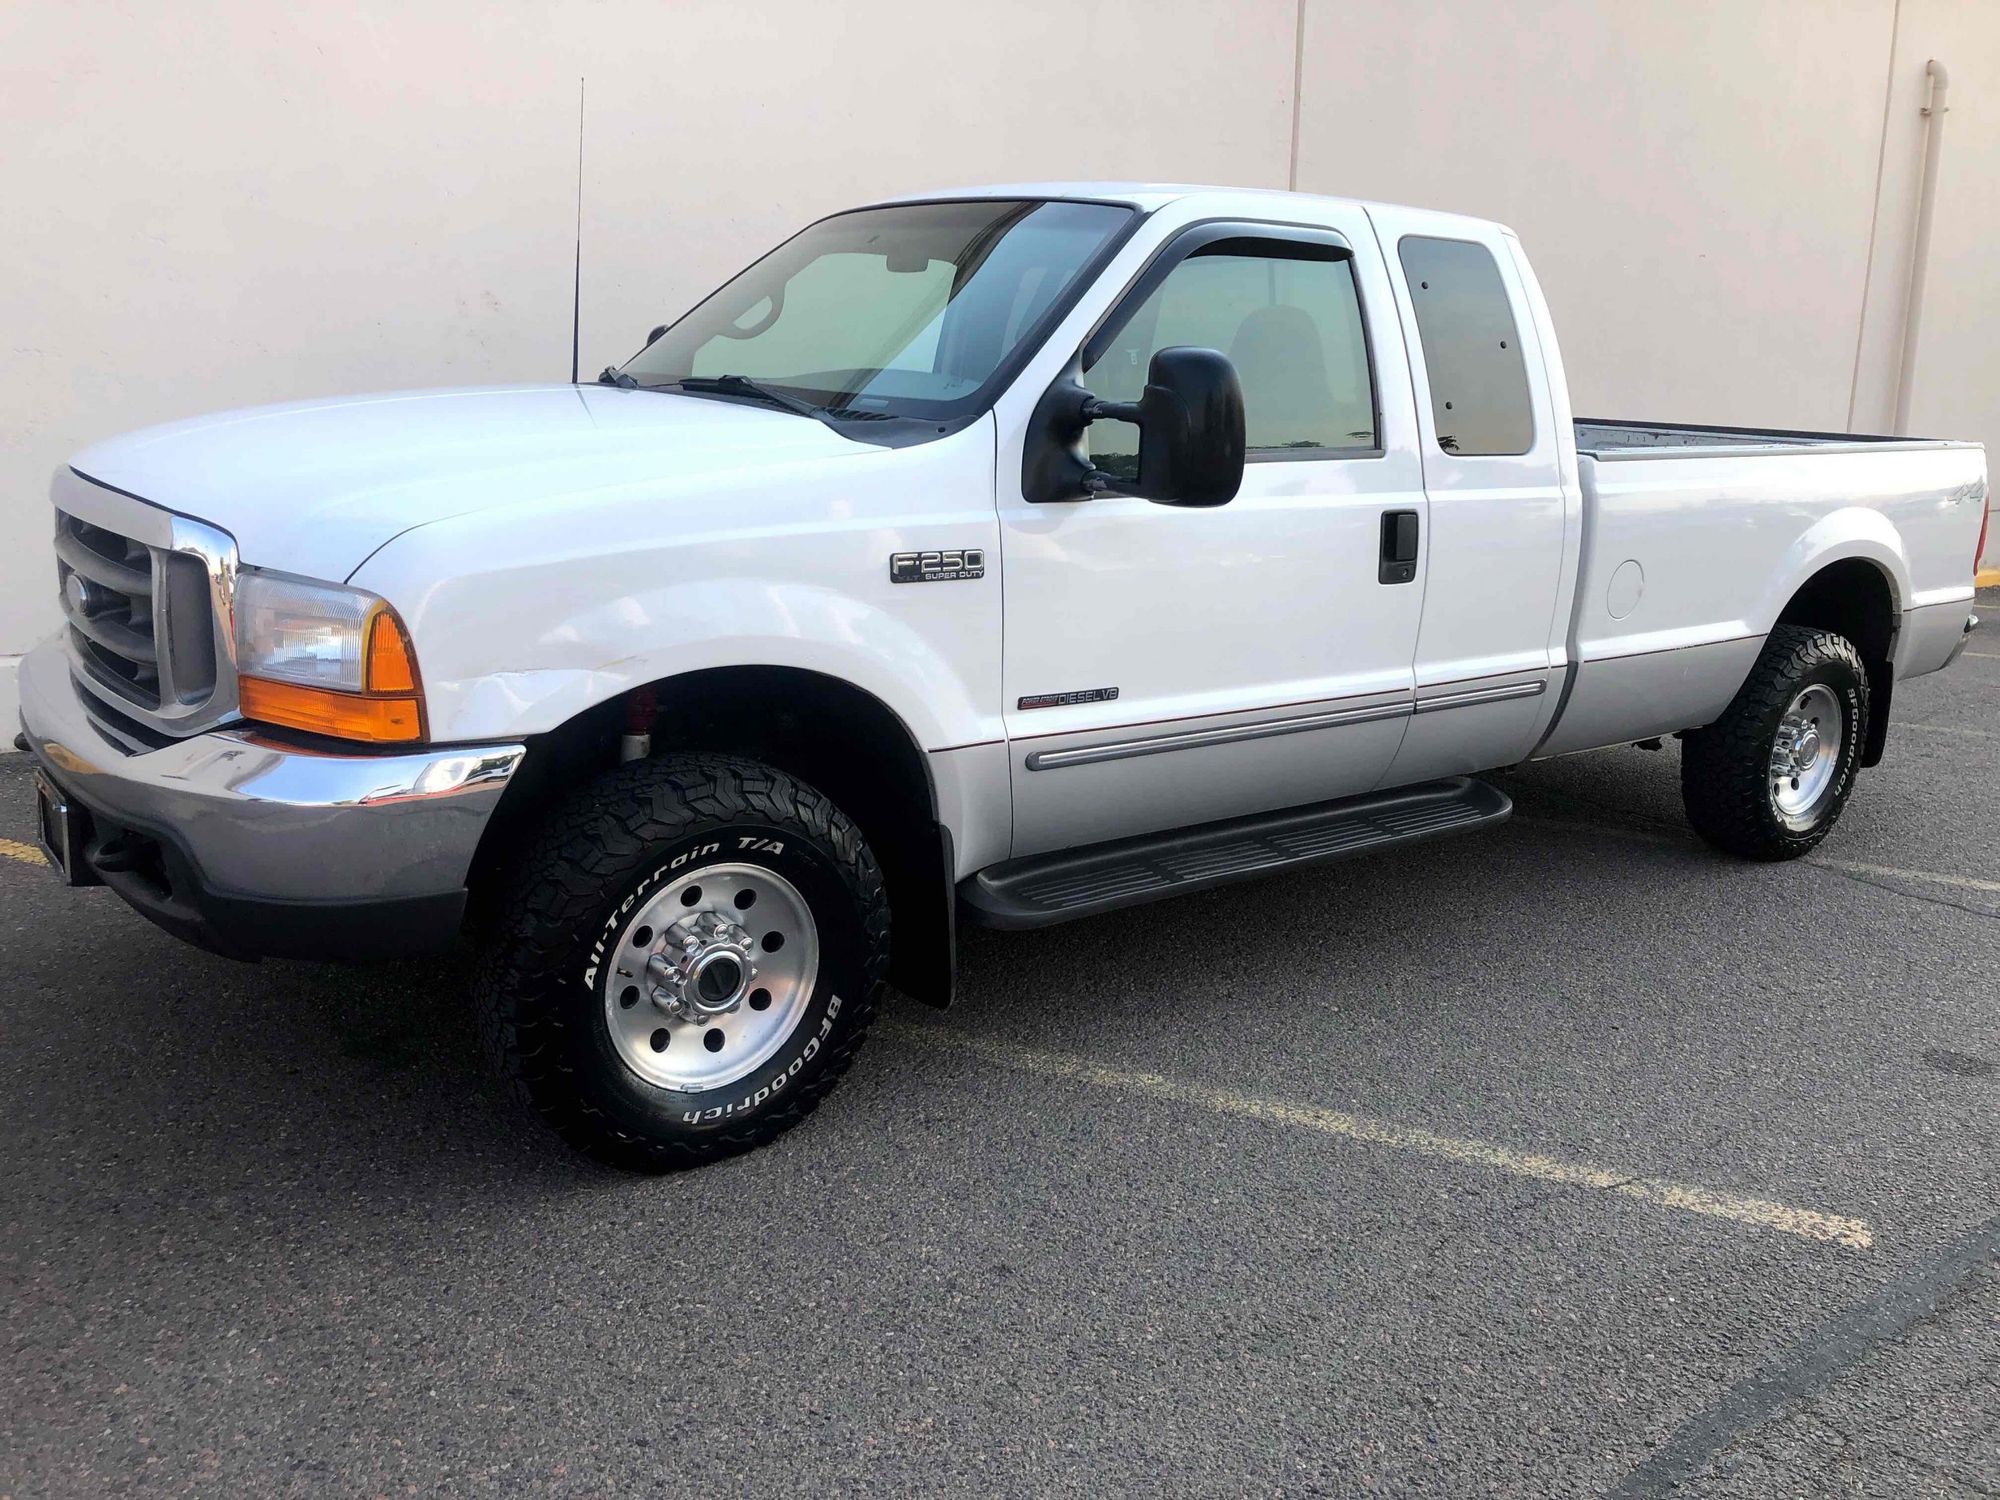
<point>370,1079</point>
<point>1371,935</point>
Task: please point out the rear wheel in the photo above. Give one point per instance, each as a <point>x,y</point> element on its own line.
<point>1768,779</point>
<point>688,961</point>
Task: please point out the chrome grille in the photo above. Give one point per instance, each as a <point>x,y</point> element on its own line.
<point>107,585</point>
<point>147,608</point>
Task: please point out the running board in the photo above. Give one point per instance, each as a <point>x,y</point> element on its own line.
<point>1048,888</point>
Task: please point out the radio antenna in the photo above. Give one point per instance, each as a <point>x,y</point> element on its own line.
<point>576,285</point>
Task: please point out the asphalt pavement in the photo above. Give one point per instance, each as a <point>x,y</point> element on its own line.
<point>1568,1158</point>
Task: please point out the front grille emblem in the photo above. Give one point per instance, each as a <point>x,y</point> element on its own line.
<point>87,598</point>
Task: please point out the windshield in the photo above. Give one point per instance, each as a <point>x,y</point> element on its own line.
<point>911,310</point>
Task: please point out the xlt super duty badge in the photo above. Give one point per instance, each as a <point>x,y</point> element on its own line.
<point>947,566</point>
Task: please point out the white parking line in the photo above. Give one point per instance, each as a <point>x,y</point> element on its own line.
<point>1763,1213</point>
<point>1977,734</point>
<point>28,854</point>
<point>1929,877</point>
<point>1850,866</point>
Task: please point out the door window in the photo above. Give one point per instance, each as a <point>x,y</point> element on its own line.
<point>1479,386</point>
<point>1289,318</point>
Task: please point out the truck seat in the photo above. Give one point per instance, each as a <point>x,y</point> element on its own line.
<point>1286,397</point>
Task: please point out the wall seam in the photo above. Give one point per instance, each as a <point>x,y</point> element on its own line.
<point>1874,212</point>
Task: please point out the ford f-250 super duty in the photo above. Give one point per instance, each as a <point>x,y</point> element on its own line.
<point>1010,554</point>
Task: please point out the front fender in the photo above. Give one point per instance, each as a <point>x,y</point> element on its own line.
<point>525,616</point>
<point>560,667</point>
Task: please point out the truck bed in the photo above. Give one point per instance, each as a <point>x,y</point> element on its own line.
<point>1612,439</point>
<point>1695,537</point>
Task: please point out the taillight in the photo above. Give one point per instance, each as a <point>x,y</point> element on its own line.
<point>1979,552</point>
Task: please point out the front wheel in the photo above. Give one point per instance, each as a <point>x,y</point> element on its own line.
<point>688,961</point>
<point>1768,779</point>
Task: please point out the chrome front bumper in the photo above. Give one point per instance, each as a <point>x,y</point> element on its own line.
<point>264,847</point>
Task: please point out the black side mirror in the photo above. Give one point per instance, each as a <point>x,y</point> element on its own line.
<point>1190,429</point>
<point>1190,421</point>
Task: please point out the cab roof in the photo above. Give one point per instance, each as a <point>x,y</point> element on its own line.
<point>1149,196</point>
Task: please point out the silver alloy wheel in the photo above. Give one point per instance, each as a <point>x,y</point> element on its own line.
<point>1805,757</point>
<point>712,975</point>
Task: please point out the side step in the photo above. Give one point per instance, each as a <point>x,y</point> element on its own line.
<point>1048,888</point>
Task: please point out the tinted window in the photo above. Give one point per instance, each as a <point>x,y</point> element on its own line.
<point>909,310</point>
<point>1288,317</point>
<point>1479,386</point>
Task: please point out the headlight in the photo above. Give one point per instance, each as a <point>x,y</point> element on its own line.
<point>324,658</point>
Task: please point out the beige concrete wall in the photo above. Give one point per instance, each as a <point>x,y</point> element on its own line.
<point>222,202</point>
<point>1693,180</point>
<point>1957,387</point>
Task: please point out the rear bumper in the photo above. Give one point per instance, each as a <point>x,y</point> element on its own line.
<point>1930,637</point>
<point>256,848</point>
<point>1964,640</point>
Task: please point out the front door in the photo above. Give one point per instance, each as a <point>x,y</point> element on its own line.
<point>1165,666</point>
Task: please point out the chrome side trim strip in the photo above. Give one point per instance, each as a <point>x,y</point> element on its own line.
<point>1090,755</point>
<point>1609,455</point>
<point>1470,696</point>
<point>1234,734</point>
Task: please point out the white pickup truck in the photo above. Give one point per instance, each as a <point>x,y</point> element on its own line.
<point>1010,554</point>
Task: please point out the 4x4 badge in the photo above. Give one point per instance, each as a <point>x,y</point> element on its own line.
<point>946,566</point>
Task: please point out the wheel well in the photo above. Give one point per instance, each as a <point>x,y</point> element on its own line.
<point>1854,599</point>
<point>842,740</point>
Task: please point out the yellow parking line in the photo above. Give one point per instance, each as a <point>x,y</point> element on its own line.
<point>27,853</point>
<point>1763,1213</point>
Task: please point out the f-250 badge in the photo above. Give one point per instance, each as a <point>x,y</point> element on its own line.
<point>946,566</point>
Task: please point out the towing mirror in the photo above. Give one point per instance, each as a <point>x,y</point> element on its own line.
<point>1190,429</point>
<point>1190,421</point>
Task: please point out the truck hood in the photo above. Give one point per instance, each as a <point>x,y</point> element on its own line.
<point>314,487</point>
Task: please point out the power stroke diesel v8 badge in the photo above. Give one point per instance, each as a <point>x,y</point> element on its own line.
<point>1065,700</point>
<point>946,566</point>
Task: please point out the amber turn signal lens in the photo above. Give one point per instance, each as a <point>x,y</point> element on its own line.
<point>381,717</point>
<point>389,668</point>
<point>388,709</point>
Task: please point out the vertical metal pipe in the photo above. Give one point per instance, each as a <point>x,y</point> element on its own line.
<point>1936,82</point>
<point>1298,84</point>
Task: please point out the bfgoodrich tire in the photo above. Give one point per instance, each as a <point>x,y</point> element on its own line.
<point>687,963</point>
<point>1768,779</point>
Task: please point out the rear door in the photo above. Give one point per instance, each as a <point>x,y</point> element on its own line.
<point>1489,654</point>
<point>1166,667</point>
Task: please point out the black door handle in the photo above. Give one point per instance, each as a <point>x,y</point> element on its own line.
<point>1399,547</point>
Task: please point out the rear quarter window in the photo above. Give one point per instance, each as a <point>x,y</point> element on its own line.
<point>1472,350</point>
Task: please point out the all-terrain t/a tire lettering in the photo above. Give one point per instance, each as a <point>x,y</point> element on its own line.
<point>582,973</point>
<point>1768,779</point>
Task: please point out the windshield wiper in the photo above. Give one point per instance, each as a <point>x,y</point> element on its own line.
<point>743,385</point>
<point>612,375</point>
